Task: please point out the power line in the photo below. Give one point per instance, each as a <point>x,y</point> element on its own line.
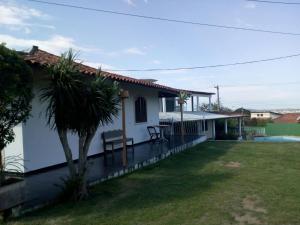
<point>252,85</point>
<point>208,66</point>
<point>275,2</point>
<point>164,19</point>
<point>260,84</point>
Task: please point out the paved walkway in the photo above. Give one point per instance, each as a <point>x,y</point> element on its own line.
<point>43,187</point>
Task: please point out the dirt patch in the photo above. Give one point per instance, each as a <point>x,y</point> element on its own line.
<point>246,219</point>
<point>251,213</point>
<point>251,203</point>
<point>233,165</point>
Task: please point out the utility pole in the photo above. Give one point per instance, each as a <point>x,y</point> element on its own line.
<point>218,97</point>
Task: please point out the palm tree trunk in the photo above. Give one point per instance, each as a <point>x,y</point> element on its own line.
<point>2,176</point>
<point>82,189</point>
<point>84,145</point>
<point>181,123</point>
<point>68,152</point>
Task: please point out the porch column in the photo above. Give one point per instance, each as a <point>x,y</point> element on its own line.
<point>199,126</point>
<point>226,128</point>
<point>164,105</point>
<point>240,127</point>
<point>214,128</point>
<point>197,104</point>
<point>192,101</point>
<point>209,103</point>
<point>124,94</point>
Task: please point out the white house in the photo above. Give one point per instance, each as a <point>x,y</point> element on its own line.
<point>264,114</point>
<point>39,146</point>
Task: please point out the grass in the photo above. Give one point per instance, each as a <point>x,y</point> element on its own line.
<point>277,129</point>
<point>213,183</point>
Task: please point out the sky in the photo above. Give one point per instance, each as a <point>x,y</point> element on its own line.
<point>119,42</point>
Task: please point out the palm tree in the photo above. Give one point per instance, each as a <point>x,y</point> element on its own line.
<point>182,98</point>
<point>78,104</point>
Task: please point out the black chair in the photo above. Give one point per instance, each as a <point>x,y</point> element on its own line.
<point>154,134</point>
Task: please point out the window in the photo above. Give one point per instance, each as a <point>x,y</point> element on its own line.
<point>257,115</point>
<point>261,114</point>
<point>140,110</point>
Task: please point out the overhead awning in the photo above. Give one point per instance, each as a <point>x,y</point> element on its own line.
<point>194,116</point>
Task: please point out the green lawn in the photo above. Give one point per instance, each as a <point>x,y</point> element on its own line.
<point>213,183</point>
<point>277,129</point>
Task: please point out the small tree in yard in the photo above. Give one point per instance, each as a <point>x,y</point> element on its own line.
<point>78,104</point>
<point>214,107</point>
<point>182,98</point>
<point>15,97</point>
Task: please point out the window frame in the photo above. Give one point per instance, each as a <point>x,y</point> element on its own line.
<point>141,116</point>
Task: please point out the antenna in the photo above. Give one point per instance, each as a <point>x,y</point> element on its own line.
<point>218,97</point>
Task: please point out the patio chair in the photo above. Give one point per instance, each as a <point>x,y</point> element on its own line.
<point>154,134</point>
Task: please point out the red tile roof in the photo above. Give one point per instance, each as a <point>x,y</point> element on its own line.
<point>43,58</point>
<point>288,118</point>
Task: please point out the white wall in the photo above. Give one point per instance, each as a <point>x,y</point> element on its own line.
<point>209,132</point>
<point>42,147</point>
<point>15,149</point>
<point>265,115</point>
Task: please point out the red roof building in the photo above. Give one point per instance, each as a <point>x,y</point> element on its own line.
<point>288,118</point>
<point>42,58</point>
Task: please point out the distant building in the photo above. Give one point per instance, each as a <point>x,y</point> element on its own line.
<point>288,118</point>
<point>258,114</point>
<point>264,114</point>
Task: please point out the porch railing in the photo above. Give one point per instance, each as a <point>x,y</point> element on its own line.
<point>190,127</point>
<point>257,131</point>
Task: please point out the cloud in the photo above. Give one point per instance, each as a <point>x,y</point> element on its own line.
<point>129,2</point>
<point>134,51</point>
<point>242,23</point>
<point>97,65</point>
<point>56,44</point>
<point>17,17</point>
<point>127,51</point>
<point>250,5</point>
<point>132,2</point>
<point>156,62</point>
<point>172,72</point>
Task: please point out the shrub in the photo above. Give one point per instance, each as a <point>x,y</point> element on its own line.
<point>228,136</point>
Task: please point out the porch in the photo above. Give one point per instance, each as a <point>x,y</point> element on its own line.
<point>42,187</point>
<point>200,123</point>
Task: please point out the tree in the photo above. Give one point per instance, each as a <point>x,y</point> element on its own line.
<point>15,96</point>
<point>214,107</point>
<point>78,104</point>
<point>182,98</point>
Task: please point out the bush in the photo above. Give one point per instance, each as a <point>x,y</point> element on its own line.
<point>70,188</point>
<point>15,97</point>
<point>223,136</point>
<point>258,122</point>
